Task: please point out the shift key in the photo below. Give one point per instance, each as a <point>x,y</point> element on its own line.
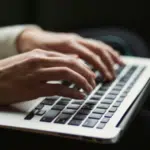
<point>50,115</point>
<point>90,123</point>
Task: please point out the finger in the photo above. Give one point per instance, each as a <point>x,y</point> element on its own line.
<point>116,57</point>
<point>58,54</point>
<point>73,64</point>
<point>59,90</point>
<point>53,53</point>
<point>91,58</point>
<point>63,73</point>
<point>101,52</point>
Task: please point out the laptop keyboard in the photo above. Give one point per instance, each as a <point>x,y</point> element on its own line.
<point>97,109</point>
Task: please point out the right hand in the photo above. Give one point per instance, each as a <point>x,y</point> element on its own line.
<point>24,77</point>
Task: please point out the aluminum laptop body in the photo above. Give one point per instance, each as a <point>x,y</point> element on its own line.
<point>102,117</point>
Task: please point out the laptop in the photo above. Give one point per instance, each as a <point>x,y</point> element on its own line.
<point>102,117</point>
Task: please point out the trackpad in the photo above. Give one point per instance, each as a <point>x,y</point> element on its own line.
<point>21,107</point>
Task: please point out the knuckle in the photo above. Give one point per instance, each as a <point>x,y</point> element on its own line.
<point>73,35</point>
<point>69,41</point>
<point>65,71</point>
<point>37,51</point>
<point>34,61</point>
<point>72,62</point>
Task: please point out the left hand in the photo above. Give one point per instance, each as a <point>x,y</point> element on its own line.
<point>98,54</point>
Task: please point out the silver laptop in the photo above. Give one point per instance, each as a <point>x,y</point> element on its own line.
<point>102,117</point>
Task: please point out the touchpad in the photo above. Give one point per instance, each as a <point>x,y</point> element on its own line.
<point>21,107</point>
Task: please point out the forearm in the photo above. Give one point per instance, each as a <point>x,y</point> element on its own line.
<point>8,39</point>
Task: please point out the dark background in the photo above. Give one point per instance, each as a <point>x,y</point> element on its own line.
<point>68,15</point>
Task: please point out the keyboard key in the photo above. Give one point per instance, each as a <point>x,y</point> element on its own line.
<point>109,114</point>
<point>124,79</point>
<point>90,123</point>
<point>79,102</point>
<point>126,92</point>
<point>120,99</point>
<point>117,88</point>
<point>100,93</point>
<point>119,70</point>
<point>112,109</point>
<point>69,111</point>
<point>53,98</point>
<point>121,84</point>
<point>123,95</point>
<point>50,115</point>
<point>104,106</point>
<point>30,115</point>
<point>40,112</point>
<point>105,120</point>
<point>79,117</point>
<point>99,79</point>
<point>84,111</point>
<point>92,102</point>
<point>113,92</point>
<point>134,67</point>
<point>75,122</point>
<point>40,106</point>
<point>96,97</point>
<point>58,107</point>
<point>117,104</point>
<point>63,118</point>
<point>66,99</point>
<point>101,125</point>
<point>110,97</point>
<point>107,84</point>
<point>99,111</point>
<point>73,106</point>
<point>104,88</point>
<point>48,102</point>
<point>62,103</point>
<point>87,106</point>
<point>95,116</point>
<point>107,101</point>
<point>130,87</point>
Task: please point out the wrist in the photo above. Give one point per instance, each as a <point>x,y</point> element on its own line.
<point>25,40</point>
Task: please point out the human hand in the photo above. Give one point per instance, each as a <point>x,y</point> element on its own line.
<point>101,56</point>
<point>25,76</point>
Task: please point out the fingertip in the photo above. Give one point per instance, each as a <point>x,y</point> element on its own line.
<point>122,62</point>
<point>89,89</point>
<point>79,95</point>
<point>94,75</point>
<point>93,83</point>
<point>109,76</point>
<point>82,95</point>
